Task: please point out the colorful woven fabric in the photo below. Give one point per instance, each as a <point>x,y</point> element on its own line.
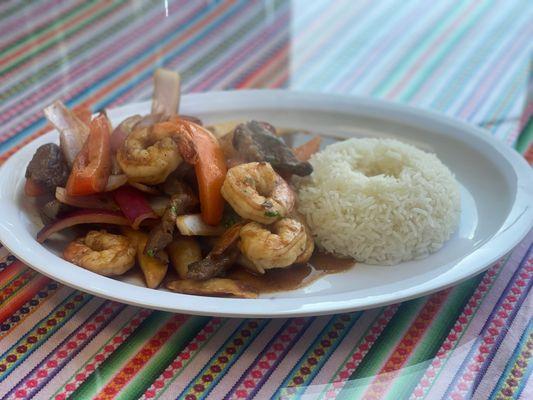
<point>468,59</point>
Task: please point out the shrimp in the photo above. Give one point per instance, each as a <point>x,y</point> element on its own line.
<point>149,156</point>
<point>308,252</point>
<point>256,192</point>
<point>102,252</point>
<point>276,246</point>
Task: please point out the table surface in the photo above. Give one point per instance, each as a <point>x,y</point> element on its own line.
<point>467,59</point>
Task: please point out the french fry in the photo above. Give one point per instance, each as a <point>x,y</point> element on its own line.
<point>153,269</point>
<point>182,252</point>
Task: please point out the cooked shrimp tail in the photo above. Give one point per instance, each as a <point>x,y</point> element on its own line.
<point>148,156</point>
<point>255,191</point>
<point>102,252</point>
<point>276,246</point>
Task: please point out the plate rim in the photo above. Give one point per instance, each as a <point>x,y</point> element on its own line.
<point>228,307</point>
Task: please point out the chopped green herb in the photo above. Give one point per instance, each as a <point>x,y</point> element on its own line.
<point>229,222</point>
<point>270,213</point>
<point>230,219</point>
<point>150,253</point>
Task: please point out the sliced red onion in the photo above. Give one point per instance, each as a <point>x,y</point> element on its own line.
<point>72,131</point>
<point>100,202</point>
<point>81,217</point>
<point>166,96</point>
<point>121,132</point>
<point>134,205</point>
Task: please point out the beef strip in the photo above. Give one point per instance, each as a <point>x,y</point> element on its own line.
<point>48,167</point>
<point>51,210</point>
<point>220,258</point>
<point>213,265</point>
<point>257,141</point>
<point>181,202</point>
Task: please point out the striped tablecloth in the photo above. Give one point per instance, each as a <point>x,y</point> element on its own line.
<point>468,59</point>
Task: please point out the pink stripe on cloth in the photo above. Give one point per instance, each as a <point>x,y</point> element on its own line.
<point>49,345</point>
<point>180,377</point>
<point>38,12</point>
<point>235,373</point>
<point>266,358</point>
<point>453,354</point>
<point>512,336</point>
<point>115,332</point>
<point>350,352</point>
<point>287,364</point>
<point>68,349</point>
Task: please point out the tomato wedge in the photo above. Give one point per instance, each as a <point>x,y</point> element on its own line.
<point>83,113</point>
<point>210,168</point>
<point>92,166</point>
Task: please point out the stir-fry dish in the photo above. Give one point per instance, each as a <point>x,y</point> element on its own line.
<point>195,208</point>
<point>233,209</point>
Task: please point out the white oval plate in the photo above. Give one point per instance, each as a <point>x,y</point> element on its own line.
<point>496,188</point>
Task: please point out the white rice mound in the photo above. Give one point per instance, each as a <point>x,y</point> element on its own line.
<point>379,201</point>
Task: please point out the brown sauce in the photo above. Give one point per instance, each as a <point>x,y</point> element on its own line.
<point>293,277</point>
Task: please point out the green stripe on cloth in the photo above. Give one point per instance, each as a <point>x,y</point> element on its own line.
<point>112,334</point>
<point>326,343</point>
<point>42,331</point>
<point>91,386</point>
<point>40,31</point>
<point>519,365</point>
<point>21,272</point>
<point>353,350</point>
<point>10,11</point>
<point>417,50</point>
<point>444,51</point>
<point>185,361</point>
<point>382,348</point>
<point>426,349</point>
<point>515,86</point>
<point>225,357</point>
<point>470,319</point>
<point>157,364</point>
<point>317,60</point>
<point>65,59</point>
<point>58,39</point>
<point>526,137</point>
<point>481,53</point>
<point>193,70</point>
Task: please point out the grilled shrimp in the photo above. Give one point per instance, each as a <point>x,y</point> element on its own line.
<point>148,156</point>
<point>255,191</point>
<point>308,251</point>
<point>102,252</point>
<point>275,246</point>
